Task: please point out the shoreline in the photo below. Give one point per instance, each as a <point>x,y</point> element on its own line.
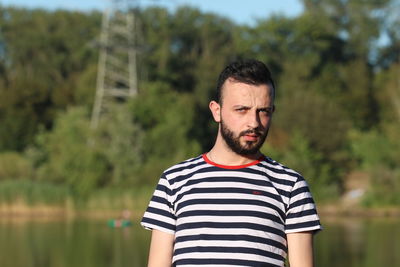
<point>22,210</point>
<point>332,210</point>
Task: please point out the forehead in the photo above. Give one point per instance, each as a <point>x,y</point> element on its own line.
<point>238,92</point>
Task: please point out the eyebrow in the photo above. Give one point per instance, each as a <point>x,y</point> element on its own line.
<point>247,107</point>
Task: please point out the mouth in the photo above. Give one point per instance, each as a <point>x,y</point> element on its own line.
<point>251,137</point>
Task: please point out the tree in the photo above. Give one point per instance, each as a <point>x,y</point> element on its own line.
<point>43,53</point>
<point>166,117</point>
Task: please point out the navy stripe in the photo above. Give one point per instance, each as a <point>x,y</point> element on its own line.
<point>282,170</point>
<point>161,200</point>
<point>231,225</point>
<point>283,193</point>
<point>210,169</point>
<point>301,202</point>
<point>243,250</point>
<point>301,214</point>
<point>161,212</point>
<point>154,222</point>
<point>232,262</point>
<point>229,190</point>
<point>163,188</point>
<point>236,237</point>
<point>214,179</point>
<point>178,168</point>
<point>300,190</point>
<point>272,178</point>
<point>230,202</point>
<point>233,213</point>
<point>303,225</point>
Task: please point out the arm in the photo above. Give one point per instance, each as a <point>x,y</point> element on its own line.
<point>161,249</point>
<point>300,249</point>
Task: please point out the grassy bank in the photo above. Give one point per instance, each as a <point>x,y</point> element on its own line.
<point>27,198</point>
<point>21,198</point>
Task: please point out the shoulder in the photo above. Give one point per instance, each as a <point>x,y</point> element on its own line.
<point>281,173</point>
<point>184,168</point>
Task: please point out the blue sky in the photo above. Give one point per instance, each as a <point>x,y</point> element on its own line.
<point>240,11</point>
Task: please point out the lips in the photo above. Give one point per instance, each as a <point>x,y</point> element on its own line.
<point>250,137</point>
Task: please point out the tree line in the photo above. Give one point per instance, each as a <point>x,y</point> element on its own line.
<point>336,67</point>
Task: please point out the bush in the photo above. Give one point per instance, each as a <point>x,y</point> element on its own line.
<point>298,155</point>
<point>70,155</point>
<point>32,192</point>
<point>14,166</point>
<point>385,187</point>
<point>378,153</point>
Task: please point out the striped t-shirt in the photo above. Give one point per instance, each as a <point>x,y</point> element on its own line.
<point>231,215</point>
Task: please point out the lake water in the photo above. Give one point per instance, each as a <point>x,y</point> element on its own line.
<point>91,243</point>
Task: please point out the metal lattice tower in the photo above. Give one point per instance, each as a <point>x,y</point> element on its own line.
<point>117,66</point>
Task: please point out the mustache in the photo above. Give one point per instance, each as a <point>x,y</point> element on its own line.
<point>252,131</point>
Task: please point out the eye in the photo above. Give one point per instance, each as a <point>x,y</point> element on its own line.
<point>266,111</point>
<point>241,109</point>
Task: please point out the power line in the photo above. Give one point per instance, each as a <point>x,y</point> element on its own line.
<point>117,66</point>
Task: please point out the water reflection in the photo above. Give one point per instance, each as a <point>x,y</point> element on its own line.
<point>87,243</point>
<point>355,242</point>
<point>344,242</point>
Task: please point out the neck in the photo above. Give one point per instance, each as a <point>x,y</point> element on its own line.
<point>222,154</point>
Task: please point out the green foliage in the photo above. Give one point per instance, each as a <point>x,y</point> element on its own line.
<point>315,117</point>
<point>120,141</point>
<point>379,155</point>
<point>86,159</point>
<point>15,166</point>
<point>135,199</point>
<point>43,55</point>
<point>159,111</point>
<point>332,80</point>
<point>70,158</point>
<point>373,149</point>
<point>32,193</point>
<point>300,156</point>
<point>388,94</point>
<point>385,187</point>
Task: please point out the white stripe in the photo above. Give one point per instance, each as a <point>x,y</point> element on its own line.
<point>308,206</point>
<point>237,207</point>
<point>215,176</point>
<point>149,226</point>
<point>232,196</point>
<point>184,172</point>
<point>160,218</point>
<point>233,231</point>
<point>230,243</point>
<point>230,219</point>
<point>309,218</point>
<point>186,163</point>
<point>227,184</point>
<point>158,205</point>
<point>218,265</point>
<point>236,256</point>
<point>305,229</point>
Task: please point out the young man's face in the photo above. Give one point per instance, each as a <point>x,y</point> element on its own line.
<point>245,115</point>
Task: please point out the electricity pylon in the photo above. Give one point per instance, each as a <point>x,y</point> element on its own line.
<point>117,66</point>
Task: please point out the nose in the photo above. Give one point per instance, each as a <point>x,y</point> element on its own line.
<point>253,120</point>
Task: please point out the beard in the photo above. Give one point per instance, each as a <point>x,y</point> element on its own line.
<point>249,147</point>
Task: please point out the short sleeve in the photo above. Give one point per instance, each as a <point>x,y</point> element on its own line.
<point>160,214</point>
<point>301,215</point>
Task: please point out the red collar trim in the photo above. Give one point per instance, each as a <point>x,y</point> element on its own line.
<point>232,167</point>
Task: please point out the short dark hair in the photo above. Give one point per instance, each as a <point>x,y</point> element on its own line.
<point>249,71</point>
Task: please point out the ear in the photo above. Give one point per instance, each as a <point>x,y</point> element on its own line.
<point>215,110</point>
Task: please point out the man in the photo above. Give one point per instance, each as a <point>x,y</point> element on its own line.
<point>234,206</point>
